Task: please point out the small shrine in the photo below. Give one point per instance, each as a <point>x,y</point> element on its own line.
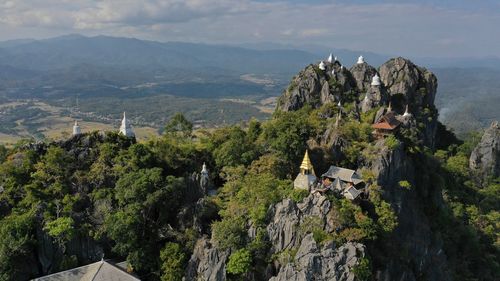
<point>126,128</point>
<point>76,129</point>
<point>386,124</point>
<point>330,58</point>
<point>376,80</point>
<point>306,177</point>
<point>361,60</point>
<point>322,65</point>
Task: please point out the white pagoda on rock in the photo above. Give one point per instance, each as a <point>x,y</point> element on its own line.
<point>407,112</point>
<point>322,65</point>
<point>126,128</point>
<point>330,58</point>
<point>76,129</point>
<point>306,178</point>
<point>361,60</point>
<point>376,80</point>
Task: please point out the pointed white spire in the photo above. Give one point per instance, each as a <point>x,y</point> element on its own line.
<point>204,170</point>
<point>342,67</point>
<point>125,128</point>
<point>407,113</point>
<point>361,60</point>
<point>336,58</point>
<point>376,80</point>
<point>339,104</point>
<point>333,71</point>
<point>322,65</point>
<point>330,58</point>
<point>76,129</point>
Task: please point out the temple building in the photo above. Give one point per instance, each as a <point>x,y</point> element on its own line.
<point>98,271</point>
<point>306,178</point>
<point>376,80</point>
<point>386,124</point>
<point>76,129</point>
<point>322,65</point>
<point>344,181</point>
<point>361,60</point>
<point>126,128</point>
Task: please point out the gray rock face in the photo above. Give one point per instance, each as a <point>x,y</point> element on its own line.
<point>286,217</point>
<point>207,263</point>
<point>407,83</point>
<point>316,87</point>
<point>363,74</point>
<point>485,158</point>
<point>423,251</point>
<point>313,262</point>
<point>416,84</point>
<point>375,96</point>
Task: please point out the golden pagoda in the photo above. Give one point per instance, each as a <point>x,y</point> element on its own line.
<point>306,167</point>
<point>306,178</point>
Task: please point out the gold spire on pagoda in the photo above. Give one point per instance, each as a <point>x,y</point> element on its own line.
<point>306,167</point>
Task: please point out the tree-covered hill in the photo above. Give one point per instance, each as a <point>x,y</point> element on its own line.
<point>424,214</point>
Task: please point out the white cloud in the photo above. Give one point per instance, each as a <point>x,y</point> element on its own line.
<point>389,28</point>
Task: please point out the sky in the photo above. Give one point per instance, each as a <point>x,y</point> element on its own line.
<point>425,28</point>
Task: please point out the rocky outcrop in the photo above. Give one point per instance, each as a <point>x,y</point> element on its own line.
<point>286,217</point>
<point>315,262</point>
<point>315,87</point>
<point>485,158</point>
<point>207,263</point>
<point>363,74</point>
<point>423,253</point>
<point>416,84</point>
<point>375,96</point>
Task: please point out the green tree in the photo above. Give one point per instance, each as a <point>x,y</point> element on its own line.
<point>239,262</point>
<point>178,124</point>
<point>173,261</point>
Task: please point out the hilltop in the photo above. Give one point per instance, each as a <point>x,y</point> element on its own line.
<point>396,197</point>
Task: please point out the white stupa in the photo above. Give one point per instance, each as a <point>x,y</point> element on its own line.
<point>76,129</point>
<point>376,80</point>
<point>342,67</point>
<point>333,71</point>
<point>322,65</point>
<point>407,113</point>
<point>339,104</point>
<point>361,60</point>
<point>335,59</point>
<point>204,170</point>
<point>126,128</point>
<point>330,58</point>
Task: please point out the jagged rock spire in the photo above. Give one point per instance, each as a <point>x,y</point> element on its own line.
<point>330,58</point>
<point>126,128</point>
<point>376,80</point>
<point>361,60</point>
<point>322,65</point>
<point>76,129</point>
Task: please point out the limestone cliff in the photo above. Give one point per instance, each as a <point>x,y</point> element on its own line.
<point>485,158</point>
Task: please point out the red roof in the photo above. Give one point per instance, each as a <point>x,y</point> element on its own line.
<point>387,122</point>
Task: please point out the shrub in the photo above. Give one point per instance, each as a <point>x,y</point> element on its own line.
<point>405,185</point>
<point>239,262</point>
<point>391,142</point>
<point>172,258</point>
<point>363,270</point>
<point>229,232</point>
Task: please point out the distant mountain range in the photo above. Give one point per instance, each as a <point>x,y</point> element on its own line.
<point>104,66</point>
